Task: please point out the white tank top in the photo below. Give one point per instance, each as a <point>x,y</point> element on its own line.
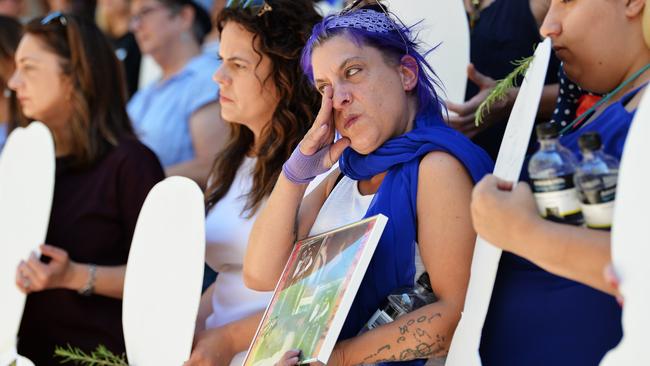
<point>345,205</point>
<point>227,231</point>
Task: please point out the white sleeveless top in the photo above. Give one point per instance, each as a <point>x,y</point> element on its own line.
<point>345,205</point>
<point>226,232</point>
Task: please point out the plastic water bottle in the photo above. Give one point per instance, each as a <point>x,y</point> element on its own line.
<point>596,179</point>
<point>551,170</point>
<point>403,301</point>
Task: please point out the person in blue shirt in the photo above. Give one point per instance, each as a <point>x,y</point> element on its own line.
<point>397,157</point>
<point>551,304</point>
<point>178,116</point>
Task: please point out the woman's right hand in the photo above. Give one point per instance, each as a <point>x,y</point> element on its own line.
<point>33,275</point>
<point>317,152</point>
<point>321,134</point>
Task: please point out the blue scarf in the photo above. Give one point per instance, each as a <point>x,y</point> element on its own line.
<point>393,264</point>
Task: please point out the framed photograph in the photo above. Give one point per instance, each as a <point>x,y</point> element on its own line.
<point>315,292</point>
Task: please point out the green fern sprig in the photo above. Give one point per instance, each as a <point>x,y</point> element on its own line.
<point>101,356</point>
<point>500,91</point>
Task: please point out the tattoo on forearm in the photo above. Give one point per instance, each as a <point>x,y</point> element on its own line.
<point>426,345</point>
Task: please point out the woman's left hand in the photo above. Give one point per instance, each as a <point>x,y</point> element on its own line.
<point>33,275</point>
<point>500,213</point>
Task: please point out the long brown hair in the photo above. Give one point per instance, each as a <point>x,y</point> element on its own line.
<point>9,38</point>
<point>280,34</point>
<point>99,119</point>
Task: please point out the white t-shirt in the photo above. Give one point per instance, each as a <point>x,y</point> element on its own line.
<point>227,231</point>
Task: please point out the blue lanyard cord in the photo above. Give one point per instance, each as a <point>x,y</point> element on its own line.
<point>581,118</point>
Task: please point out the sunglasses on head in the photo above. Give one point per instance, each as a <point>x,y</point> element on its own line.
<point>256,7</point>
<point>377,6</point>
<point>55,16</point>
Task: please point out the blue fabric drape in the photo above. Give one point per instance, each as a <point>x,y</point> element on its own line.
<point>393,264</point>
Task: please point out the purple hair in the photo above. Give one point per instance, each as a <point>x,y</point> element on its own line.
<point>390,44</point>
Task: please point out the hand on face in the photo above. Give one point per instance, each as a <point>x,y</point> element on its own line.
<point>500,212</point>
<point>321,134</point>
<point>33,275</point>
<point>464,121</point>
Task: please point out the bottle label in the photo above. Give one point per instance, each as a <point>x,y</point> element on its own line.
<point>598,216</point>
<point>379,318</point>
<point>598,189</point>
<point>557,199</point>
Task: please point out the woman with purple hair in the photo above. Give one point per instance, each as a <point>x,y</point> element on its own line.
<point>396,157</point>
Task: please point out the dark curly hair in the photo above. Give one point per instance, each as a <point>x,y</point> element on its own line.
<point>279,34</point>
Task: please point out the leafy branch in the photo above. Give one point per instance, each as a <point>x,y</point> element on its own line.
<point>500,91</point>
<point>101,356</point>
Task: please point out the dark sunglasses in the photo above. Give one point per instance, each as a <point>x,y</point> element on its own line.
<point>257,7</point>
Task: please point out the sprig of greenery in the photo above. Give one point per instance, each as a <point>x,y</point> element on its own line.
<point>500,91</point>
<point>101,356</point>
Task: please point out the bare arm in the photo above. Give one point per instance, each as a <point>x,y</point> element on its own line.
<point>209,134</point>
<point>205,309</point>
<point>577,253</point>
<point>109,280</point>
<point>286,216</point>
<point>33,275</point>
<point>509,219</point>
<point>446,241</point>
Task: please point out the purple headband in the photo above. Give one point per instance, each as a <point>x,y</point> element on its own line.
<point>365,19</point>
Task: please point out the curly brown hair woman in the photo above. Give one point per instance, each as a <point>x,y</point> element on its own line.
<point>269,104</point>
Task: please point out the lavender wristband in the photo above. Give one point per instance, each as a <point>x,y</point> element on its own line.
<point>302,169</point>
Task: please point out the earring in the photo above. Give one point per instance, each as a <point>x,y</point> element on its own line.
<point>6,93</point>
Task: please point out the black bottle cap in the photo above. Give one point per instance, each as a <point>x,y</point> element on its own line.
<point>424,281</point>
<point>547,130</point>
<point>590,141</point>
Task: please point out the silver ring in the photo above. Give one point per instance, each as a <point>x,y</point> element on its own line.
<point>26,283</point>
